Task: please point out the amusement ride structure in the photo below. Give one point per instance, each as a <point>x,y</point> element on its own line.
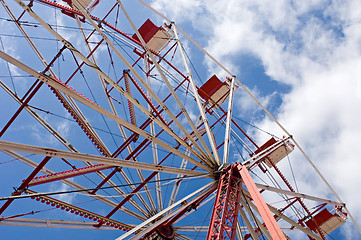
<point>154,149</point>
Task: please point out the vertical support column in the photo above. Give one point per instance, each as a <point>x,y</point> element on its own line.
<point>224,218</point>
<point>223,224</point>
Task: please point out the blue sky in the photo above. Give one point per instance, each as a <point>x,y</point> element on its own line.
<point>300,60</point>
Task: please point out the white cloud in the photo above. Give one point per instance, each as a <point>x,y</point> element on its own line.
<point>68,198</point>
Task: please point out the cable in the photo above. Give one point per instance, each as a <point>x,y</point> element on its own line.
<point>195,70</point>
<point>7,64</point>
<point>13,159</point>
<point>206,217</point>
<point>272,135</point>
<point>70,119</point>
<point>293,175</point>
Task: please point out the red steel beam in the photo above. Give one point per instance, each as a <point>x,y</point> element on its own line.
<point>30,94</point>
<point>261,205</point>
<point>67,174</point>
<point>80,211</point>
<point>25,183</point>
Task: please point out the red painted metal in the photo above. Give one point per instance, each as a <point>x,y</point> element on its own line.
<point>210,87</point>
<point>261,205</point>
<point>80,211</point>
<point>324,222</point>
<point>30,94</point>
<point>226,205</point>
<point>80,121</point>
<point>130,105</point>
<point>25,183</point>
<point>67,174</point>
<point>25,103</point>
<point>149,101</point>
<point>140,186</point>
<point>115,170</point>
<point>147,31</point>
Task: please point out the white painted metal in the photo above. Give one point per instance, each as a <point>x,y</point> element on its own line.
<point>71,103</point>
<point>211,186</point>
<point>109,80</point>
<point>154,146</point>
<point>213,195</point>
<point>283,217</point>
<point>210,135</point>
<point>61,139</point>
<point>249,226</point>
<point>258,223</point>
<point>300,195</point>
<point>235,134</point>
<point>177,183</point>
<point>228,123</point>
<point>44,62</point>
<point>250,163</point>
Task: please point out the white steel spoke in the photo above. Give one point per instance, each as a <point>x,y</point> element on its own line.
<point>37,117</point>
<point>177,183</point>
<point>293,223</point>
<point>239,231</point>
<point>199,102</point>
<point>179,236</point>
<point>162,138</point>
<point>247,222</point>
<point>259,224</point>
<point>209,187</point>
<point>285,218</point>
<point>154,146</point>
<point>300,195</point>
<point>228,123</point>
<point>132,186</point>
<point>62,139</point>
<point>235,134</point>
<point>59,137</point>
<point>71,103</point>
<point>44,62</point>
<point>199,206</point>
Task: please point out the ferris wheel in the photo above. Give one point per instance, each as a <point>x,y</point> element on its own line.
<point>111,121</point>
